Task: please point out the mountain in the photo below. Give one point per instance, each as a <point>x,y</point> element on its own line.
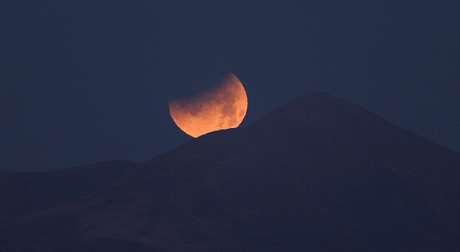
<point>317,174</point>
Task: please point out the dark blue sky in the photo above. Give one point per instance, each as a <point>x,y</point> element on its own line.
<point>89,80</point>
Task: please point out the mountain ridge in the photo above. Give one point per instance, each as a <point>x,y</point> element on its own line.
<point>318,173</point>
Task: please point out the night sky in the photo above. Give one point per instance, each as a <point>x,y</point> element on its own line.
<point>89,80</point>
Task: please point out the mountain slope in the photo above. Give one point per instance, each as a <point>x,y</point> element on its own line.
<point>28,192</point>
<point>316,174</point>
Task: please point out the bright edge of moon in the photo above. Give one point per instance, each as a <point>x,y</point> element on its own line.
<point>222,107</point>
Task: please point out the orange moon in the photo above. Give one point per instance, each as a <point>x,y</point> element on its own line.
<point>222,107</point>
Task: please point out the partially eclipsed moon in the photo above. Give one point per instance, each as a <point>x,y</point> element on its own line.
<point>223,107</point>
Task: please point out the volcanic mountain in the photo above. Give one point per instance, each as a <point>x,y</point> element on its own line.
<point>317,174</point>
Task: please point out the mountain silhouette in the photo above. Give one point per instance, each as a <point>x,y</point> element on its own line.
<point>317,174</point>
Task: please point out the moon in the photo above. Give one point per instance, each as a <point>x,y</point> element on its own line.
<point>219,108</point>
